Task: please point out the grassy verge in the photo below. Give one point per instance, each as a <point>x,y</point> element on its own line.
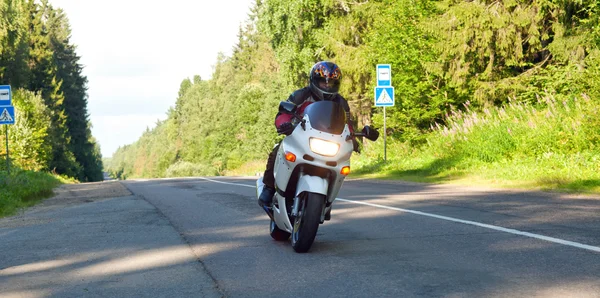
<point>24,189</point>
<point>553,145</point>
<point>188,169</point>
<point>251,168</point>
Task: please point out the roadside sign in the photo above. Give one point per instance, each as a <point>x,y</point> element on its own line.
<point>5,95</point>
<point>384,75</point>
<point>384,96</point>
<point>7,115</point>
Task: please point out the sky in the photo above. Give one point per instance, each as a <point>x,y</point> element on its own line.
<point>135,54</point>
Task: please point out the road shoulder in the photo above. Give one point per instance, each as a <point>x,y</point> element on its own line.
<point>96,239</point>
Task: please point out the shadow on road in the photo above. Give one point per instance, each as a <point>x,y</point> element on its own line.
<point>362,252</point>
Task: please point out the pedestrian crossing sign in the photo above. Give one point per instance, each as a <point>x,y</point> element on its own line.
<point>384,96</point>
<point>7,115</point>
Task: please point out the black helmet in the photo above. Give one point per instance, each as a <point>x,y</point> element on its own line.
<point>325,78</point>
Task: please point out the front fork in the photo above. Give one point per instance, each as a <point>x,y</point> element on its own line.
<point>323,189</point>
<point>296,206</point>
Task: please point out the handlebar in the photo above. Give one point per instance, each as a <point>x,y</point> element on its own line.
<point>353,135</point>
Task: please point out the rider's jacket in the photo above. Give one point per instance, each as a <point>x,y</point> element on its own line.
<point>304,97</point>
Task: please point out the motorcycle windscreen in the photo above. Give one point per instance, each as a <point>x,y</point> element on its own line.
<point>326,116</point>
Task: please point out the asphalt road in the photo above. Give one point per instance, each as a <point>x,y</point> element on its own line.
<point>466,242</point>
<point>87,247</point>
<point>200,237</point>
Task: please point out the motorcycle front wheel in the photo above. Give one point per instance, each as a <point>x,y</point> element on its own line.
<point>306,223</point>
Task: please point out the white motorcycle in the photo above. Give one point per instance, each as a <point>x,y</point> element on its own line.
<point>310,168</point>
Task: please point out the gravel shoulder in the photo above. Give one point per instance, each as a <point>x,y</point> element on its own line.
<point>71,194</point>
<point>67,195</point>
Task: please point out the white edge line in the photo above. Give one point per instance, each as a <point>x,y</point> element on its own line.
<point>229,183</point>
<point>473,223</point>
<point>466,222</point>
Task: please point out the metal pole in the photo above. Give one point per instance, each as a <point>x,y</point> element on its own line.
<point>384,138</point>
<point>7,157</point>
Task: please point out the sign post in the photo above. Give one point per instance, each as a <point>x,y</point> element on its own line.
<point>384,96</point>
<point>7,156</point>
<point>7,116</point>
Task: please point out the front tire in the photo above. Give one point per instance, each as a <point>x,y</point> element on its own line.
<point>277,233</point>
<point>307,222</point>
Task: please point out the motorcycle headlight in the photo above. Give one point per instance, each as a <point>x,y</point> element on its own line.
<point>323,147</point>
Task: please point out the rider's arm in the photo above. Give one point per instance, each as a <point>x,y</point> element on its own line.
<point>346,107</point>
<point>282,118</point>
<point>297,97</point>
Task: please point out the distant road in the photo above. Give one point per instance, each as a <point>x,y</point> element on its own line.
<point>207,237</point>
<point>107,176</point>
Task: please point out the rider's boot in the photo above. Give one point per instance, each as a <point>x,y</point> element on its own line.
<point>266,197</point>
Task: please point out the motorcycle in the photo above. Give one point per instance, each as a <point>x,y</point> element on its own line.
<point>311,165</point>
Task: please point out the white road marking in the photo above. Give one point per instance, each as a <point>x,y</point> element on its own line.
<point>462,221</point>
<point>229,183</point>
<point>474,223</point>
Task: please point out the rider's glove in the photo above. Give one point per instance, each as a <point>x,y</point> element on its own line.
<point>286,128</point>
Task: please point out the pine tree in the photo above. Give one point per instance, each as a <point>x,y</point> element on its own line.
<point>74,90</point>
<point>13,43</point>
<point>44,78</point>
<point>53,130</point>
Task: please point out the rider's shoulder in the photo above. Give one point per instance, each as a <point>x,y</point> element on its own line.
<point>300,95</point>
<point>340,98</point>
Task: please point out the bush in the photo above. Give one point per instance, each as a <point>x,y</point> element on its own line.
<point>188,169</point>
<point>554,144</point>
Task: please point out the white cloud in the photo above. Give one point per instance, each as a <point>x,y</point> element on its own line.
<point>137,52</point>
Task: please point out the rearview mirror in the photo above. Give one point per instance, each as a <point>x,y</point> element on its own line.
<point>370,133</point>
<point>287,107</point>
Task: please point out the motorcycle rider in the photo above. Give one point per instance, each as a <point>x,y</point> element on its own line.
<point>324,84</point>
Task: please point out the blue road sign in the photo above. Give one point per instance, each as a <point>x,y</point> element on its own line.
<point>5,95</point>
<point>384,75</point>
<point>7,115</point>
<point>384,96</point>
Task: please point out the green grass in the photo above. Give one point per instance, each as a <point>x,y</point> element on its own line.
<point>25,188</point>
<point>188,169</point>
<point>251,168</point>
<point>554,145</point>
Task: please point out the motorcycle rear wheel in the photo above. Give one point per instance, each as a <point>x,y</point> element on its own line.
<point>307,222</point>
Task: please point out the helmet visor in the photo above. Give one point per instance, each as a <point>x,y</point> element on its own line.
<point>328,85</point>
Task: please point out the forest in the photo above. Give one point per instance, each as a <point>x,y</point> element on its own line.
<point>52,132</point>
<point>502,89</point>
